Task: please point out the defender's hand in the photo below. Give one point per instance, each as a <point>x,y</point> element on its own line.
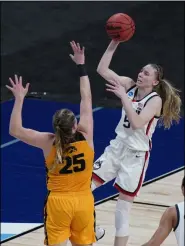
<point>78,57</point>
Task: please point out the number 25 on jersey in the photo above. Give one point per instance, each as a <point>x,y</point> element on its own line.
<point>75,163</point>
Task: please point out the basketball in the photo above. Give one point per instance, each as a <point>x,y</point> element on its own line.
<point>120,27</point>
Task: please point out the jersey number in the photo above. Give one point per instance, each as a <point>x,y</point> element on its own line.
<point>76,164</point>
<point>126,123</point>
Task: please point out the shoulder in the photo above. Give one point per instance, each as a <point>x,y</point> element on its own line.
<point>155,101</point>
<point>171,214</point>
<point>83,136</point>
<point>171,211</point>
<point>49,142</point>
<point>50,137</point>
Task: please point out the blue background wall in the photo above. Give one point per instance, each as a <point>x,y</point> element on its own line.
<point>23,178</point>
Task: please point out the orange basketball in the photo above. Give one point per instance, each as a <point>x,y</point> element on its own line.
<point>120,27</point>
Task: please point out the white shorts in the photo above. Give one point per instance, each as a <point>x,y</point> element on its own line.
<point>126,166</point>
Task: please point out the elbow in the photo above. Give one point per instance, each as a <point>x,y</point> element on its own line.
<point>13,131</point>
<point>98,70</point>
<point>101,71</point>
<point>101,68</point>
<point>136,126</point>
<point>87,98</point>
<point>137,123</point>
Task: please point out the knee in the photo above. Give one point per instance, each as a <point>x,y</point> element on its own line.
<point>122,218</point>
<point>126,197</point>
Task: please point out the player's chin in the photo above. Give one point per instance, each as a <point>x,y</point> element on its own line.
<point>140,84</point>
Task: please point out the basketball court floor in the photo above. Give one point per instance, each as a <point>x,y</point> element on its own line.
<point>23,178</point>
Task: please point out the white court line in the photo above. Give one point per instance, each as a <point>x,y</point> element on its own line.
<point>17,228</point>
<point>164,175</point>
<point>9,143</point>
<point>17,140</point>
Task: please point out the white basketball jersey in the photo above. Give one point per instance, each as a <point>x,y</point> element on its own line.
<point>139,139</point>
<point>179,230</point>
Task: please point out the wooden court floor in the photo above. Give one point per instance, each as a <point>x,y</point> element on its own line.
<point>145,215</point>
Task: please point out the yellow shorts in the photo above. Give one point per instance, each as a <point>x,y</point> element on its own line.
<point>69,216</point>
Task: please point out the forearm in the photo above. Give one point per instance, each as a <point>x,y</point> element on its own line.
<point>85,88</point>
<point>16,117</point>
<point>107,57</point>
<point>159,236</point>
<point>156,240</point>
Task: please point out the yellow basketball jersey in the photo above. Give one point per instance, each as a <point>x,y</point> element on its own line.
<point>75,171</point>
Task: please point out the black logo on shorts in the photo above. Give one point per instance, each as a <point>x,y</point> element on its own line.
<point>97,165</point>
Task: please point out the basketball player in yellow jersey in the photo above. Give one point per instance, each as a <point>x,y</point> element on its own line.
<point>69,156</point>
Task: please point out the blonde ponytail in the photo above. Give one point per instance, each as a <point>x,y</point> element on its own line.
<point>171,103</point>
<point>59,145</point>
<point>63,122</point>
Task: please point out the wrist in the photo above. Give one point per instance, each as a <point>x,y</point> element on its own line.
<point>19,99</point>
<point>82,70</point>
<point>113,45</point>
<point>123,98</point>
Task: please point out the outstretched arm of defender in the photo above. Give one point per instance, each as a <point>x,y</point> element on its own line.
<point>167,223</point>
<point>16,129</point>
<point>86,115</point>
<point>108,74</point>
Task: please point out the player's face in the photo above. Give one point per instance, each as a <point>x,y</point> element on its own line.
<point>147,77</point>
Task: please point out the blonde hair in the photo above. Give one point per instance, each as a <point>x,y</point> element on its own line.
<point>171,100</point>
<point>63,121</point>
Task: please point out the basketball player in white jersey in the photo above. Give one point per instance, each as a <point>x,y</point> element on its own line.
<point>144,102</point>
<point>172,219</point>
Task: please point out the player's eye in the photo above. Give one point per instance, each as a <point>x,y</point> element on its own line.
<point>146,73</point>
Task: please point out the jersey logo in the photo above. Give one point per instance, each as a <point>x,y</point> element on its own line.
<point>130,94</point>
<point>140,105</point>
<point>71,149</point>
<point>139,108</point>
<point>97,165</point>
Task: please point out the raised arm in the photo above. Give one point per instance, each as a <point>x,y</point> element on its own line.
<point>109,75</point>
<point>136,121</point>
<point>16,129</point>
<point>86,115</point>
<point>167,223</point>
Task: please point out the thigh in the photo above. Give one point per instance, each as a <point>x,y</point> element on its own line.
<point>57,219</point>
<point>83,223</point>
<point>107,165</point>
<point>131,173</point>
